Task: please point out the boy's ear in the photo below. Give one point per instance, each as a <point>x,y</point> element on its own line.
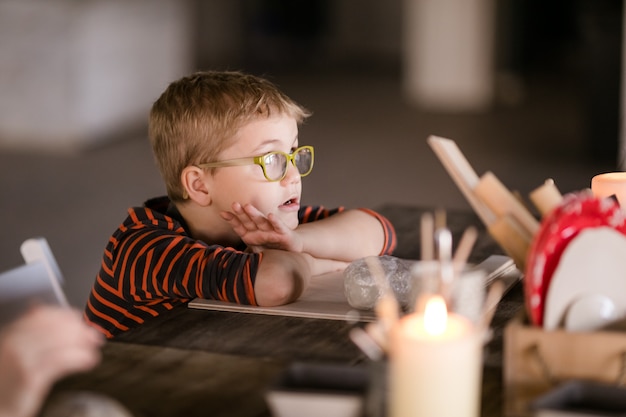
<point>196,188</point>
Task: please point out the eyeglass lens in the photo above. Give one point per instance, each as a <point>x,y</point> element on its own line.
<point>276,163</point>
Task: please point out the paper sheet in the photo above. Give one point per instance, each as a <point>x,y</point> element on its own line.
<point>323,299</point>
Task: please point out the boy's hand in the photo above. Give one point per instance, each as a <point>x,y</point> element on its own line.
<point>262,232</point>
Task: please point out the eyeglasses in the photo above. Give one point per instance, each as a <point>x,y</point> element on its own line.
<point>274,164</point>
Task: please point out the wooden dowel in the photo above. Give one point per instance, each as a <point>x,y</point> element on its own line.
<point>387,307</point>
<point>462,174</point>
<point>494,294</point>
<point>464,248</point>
<point>513,238</point>
<point>546,197</point>
<point>500,200</point>
<point>427,233</point>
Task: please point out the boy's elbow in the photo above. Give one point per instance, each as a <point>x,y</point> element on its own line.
<point>280,291</point>
<point>280,280</point>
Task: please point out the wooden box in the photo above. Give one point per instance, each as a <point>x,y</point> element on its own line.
<point>536,361</point>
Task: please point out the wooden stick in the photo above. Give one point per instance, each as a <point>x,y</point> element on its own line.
<point>440,219</point>
<point>500,200</point>
<point>387,308</point>
<point>464,248</point>
<point>513,238</point>
<point>427,232</point>
<point>447,273</point>
<point>444,252</point>
<point>504,227</point>
<point>546,197</point>
<point>377,334</point>
<point>462,174</point>
<point>365,342</point>
<point>494,294</point>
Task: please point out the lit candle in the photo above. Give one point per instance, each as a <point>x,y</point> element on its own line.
<point>435,364</point>
<point>610,184</point>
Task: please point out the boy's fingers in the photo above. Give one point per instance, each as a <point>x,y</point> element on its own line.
<point>227,215</point>
<point>276,224</point>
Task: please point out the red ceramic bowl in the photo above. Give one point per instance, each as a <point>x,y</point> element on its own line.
<point>576,212</point>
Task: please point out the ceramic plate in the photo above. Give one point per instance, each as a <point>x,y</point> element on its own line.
<point>577,211</point>
<point>587,290</point>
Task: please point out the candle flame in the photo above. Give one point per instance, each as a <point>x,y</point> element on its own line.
<point>435,315</point>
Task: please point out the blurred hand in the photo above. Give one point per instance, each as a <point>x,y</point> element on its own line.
<point>42,346</point>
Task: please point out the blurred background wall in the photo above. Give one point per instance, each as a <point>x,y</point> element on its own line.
<point>75,73</point>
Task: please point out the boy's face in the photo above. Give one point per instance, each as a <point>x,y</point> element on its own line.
<point>247,184</point>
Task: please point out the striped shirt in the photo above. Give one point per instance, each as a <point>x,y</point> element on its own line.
<point>151,264</point>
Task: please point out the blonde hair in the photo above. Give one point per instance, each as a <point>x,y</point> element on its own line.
<point>197,116</point>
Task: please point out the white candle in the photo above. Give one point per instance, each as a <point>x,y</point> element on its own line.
<point>609,184</point>
<point>435,365</point>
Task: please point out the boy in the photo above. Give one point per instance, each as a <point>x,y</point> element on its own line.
<point>231,227</point>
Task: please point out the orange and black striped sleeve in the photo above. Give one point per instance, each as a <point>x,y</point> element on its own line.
<point>390,238</point>
<point>151,265</point>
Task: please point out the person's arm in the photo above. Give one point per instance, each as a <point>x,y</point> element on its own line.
<point>343,236</point>
<point>282,276</point>
<point>174,266</point>
<point>45,344</point>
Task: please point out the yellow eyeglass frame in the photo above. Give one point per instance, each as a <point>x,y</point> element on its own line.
<point>260,160</point>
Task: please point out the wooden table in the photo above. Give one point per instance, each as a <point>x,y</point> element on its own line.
<point>201,363</point>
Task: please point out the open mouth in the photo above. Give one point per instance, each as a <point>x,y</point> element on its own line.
<point>291,202</point>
